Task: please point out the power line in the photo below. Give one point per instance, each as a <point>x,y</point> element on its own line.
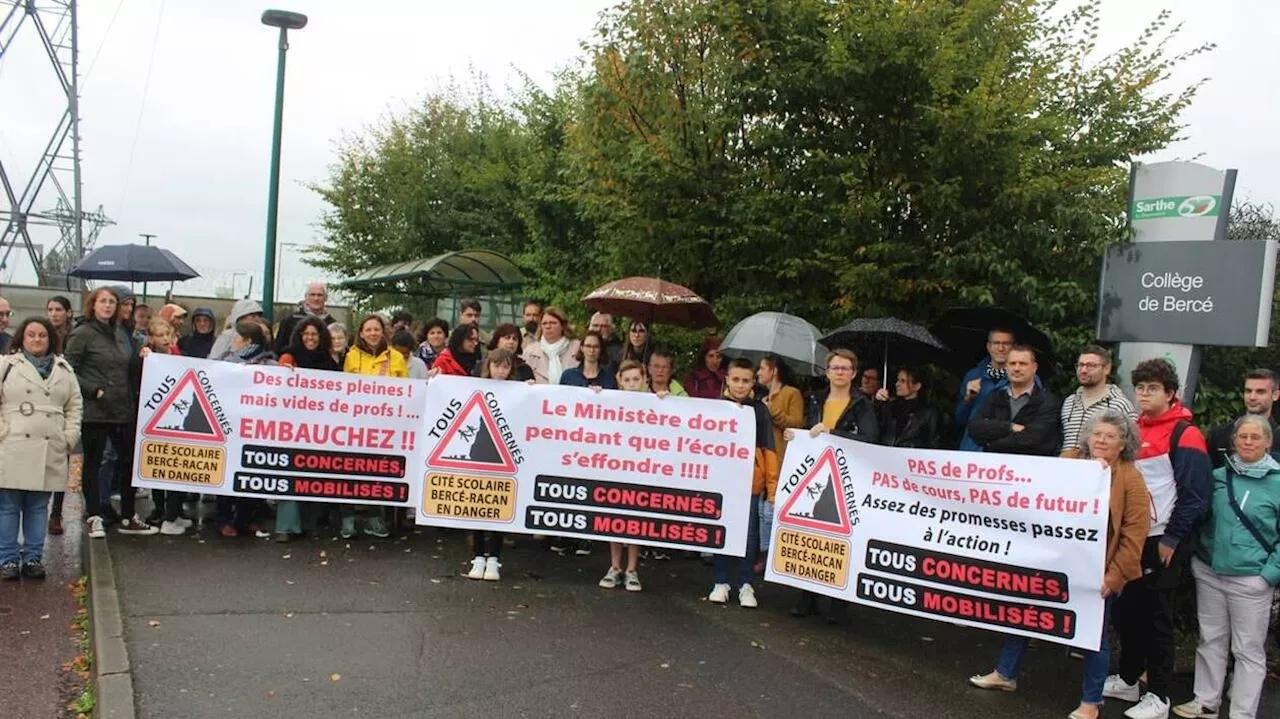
<point>105,35</point>
<point>146,88</point>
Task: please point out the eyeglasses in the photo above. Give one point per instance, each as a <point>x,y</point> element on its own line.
<point>1149,389</point>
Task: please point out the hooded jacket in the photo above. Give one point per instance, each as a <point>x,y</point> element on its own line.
<point>240,310</point>
<point>1192,475</point>
<point>101,365</point>
<point>1226,544</point>
<point>196,344</point>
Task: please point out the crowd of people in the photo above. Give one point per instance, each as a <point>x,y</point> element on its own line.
<point>1179,503</point>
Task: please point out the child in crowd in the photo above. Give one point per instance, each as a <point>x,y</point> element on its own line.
<point>739,387</point>
<point>498,364</point>
<point>166,503</point>
<point>631,378</point>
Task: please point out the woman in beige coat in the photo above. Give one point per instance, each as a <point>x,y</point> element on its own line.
<point>554,351</point>
<point>40,408</point>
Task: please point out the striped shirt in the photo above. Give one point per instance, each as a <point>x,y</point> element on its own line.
<point>1075,414</point>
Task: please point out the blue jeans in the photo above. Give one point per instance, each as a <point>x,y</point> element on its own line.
<point>766,524</point>
<point>30,510</point>
<point>723,563</point>
<point>1096,664</point>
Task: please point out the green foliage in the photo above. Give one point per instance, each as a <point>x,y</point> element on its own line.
<point>833,160</point>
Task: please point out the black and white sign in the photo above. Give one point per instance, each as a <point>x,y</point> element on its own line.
<point>1206,293</point>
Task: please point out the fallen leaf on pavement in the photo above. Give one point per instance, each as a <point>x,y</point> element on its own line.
<point>290,582</point>
<point>665,665</point>
<point>44,616</point>
<point>323,554</point>
<point>153,623</point>
<point>765,624</point>
<point>334,677</point>
<point>287,556</point>
<point>435,581</point>
<point>288,615</point>
<point>757,645</point>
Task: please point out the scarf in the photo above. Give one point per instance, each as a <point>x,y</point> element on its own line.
<point>319,358</point>
<point>426,353</point>
<point>555,367</point>
<point>248,352</point>
<point>996,374</point>
<point>1256,470</point>
<point>43,365</point>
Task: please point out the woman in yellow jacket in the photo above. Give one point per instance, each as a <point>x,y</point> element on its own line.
<point>371,355</point>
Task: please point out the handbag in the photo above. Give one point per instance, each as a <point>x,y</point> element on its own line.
<point>1248,524</point>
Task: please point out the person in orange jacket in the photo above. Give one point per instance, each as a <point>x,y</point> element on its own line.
<point>740,384</point>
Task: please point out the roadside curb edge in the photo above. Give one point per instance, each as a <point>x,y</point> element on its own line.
<point>112,676</point>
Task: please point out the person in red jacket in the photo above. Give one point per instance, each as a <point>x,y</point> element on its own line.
<point>707,378</point>
<point>1174,461</point>
<point>462,354</point>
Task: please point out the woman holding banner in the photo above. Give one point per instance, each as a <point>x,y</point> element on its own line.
<point>1111,438</point>
<point>1237,568</point>
<point>309,348</point>
<point>371,355</point>
<point>462,354</point>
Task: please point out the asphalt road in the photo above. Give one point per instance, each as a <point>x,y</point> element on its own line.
<point>329,628</point>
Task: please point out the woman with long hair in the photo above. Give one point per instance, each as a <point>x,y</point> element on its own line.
<point>707,378</point>
<point>310,348</point>
<point>100,353</point>
<point>507,337</point>
<point>1112,439</point>
<point>592,369</point>
<point>371,355</point>
<point>462,354</point>
<point>554,351</point>
<point>638,344</point>
<point>40,406</point>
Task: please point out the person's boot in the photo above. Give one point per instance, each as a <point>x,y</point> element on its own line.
<point>55,524</point>
<point>807,604</point>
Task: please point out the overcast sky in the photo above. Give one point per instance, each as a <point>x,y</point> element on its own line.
<point>184,155</point>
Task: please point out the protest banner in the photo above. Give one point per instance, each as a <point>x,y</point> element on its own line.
<point>260,431</point>
<point>1009,543</point>
<point>621,466</point>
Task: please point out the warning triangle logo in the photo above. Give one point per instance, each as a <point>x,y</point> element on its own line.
<point>818,501</point>
<point>185,414</point>
<point>472,442</point>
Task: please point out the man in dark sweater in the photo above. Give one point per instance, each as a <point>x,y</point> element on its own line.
<point>1261,390</point>
<point>1019,417</point>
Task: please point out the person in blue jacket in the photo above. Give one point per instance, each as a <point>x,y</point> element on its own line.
<point>981,381</point>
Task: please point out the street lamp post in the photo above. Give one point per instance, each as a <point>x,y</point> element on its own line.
<point>286,21</point>
<point>148,239</point>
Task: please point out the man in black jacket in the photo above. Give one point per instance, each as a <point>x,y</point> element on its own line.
<point>313,305</point>
<point>1261,391</point>
<point>1019,417</point>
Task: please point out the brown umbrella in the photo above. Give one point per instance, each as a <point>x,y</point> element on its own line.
<point>653,301</point>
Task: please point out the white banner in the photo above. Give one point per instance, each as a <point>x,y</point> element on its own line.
<point>1009,543</point>
<point>258,431</point>
<point>621,466</point>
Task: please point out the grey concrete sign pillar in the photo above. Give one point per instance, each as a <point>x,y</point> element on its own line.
<point>1178,202</point>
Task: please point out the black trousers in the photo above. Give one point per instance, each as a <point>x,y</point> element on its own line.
<point>487,544</point>
<point>1143,617</point>
<point>94,436</point>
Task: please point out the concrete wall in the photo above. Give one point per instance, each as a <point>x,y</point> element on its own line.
<point>28,301</point>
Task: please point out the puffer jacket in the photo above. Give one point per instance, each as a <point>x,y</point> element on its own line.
<point>101,366</point>
<point>387,363</point>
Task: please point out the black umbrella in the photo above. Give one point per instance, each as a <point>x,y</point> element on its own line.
<point>964,332</point>
<point>132,263</point>
<point>884,336</point>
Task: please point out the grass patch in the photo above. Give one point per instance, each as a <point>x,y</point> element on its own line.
<point>81,668</point>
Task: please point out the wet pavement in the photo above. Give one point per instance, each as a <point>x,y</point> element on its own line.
<point>35,635</point>
<point>326,628</point>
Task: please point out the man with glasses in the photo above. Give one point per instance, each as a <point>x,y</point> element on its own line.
<point>602,322</point>
<point>1174,462</point>
<point>981,381</point>
<point>1019,417</point>
<point>1261,390</point>
<point>1094,395</point>
<point>6,312</point>
<point>871,381</point>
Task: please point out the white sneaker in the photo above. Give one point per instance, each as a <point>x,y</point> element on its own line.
<point>183,522</point>
<point>1151,707</point>
<point>172,529</point>
<point>631,581</point>
<point>1117,688</point>
<point>477,568</point>
<point>97,530</point>
<point>1195,710</point>
<point>611,578</point>
<point>747,597</point>
<point>719,594</point>
<point>491,569</point>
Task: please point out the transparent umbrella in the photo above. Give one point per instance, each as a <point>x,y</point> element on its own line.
<point>787,336</point>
